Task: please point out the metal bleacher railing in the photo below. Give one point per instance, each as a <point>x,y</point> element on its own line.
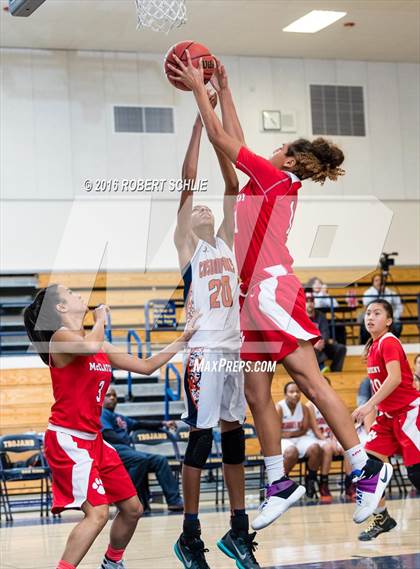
<point>350,305</point>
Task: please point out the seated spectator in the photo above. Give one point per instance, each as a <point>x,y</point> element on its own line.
<point>326,348</point>
<point>378,291</point>
<point>116,429</point>
<point>295,443</point>
<point>324,436</point>
<point>416,375</point>
<point>320,293</point>
<point>364,393</point>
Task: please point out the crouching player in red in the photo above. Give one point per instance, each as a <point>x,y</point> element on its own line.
<point>87,472</point>
<point>397,426</point>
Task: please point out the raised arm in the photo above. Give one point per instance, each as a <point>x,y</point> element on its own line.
<point>184,236</point>
<point>192,77</point>
<point>227,227</point>
<point>230,118</point>
<point>65,341</point>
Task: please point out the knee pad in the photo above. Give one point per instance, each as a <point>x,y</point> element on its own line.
<point>413,473</point>
<point>198,448</point>
<point>233,446</point>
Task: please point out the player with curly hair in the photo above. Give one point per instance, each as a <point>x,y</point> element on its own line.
<point>274,323</point>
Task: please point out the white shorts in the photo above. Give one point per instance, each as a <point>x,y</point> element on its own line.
<point>301,443</point>
<point>213,390</point>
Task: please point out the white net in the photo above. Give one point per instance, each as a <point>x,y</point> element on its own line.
<point>161,15</point>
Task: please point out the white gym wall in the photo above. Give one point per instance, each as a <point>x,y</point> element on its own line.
<point>57,131</point>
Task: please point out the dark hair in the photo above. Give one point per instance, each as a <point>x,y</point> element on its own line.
<point>416,358</point>
<point>312,280</point>
<point>318,160</point>
<point>389,312</point>
<point>42,320</point>
<point>376,275</point>
<point>287,385</point>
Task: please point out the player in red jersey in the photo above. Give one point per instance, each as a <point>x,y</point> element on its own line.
<point>274,323</point>
<point>396,429</point>
<point>87,472</point>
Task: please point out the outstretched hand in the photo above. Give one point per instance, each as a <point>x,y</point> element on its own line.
<point>191,76</point>
<point>361,412</point>
<point>219,79</point>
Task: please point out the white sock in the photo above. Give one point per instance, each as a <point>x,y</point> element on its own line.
<point>274,466</point>
<point>357,457</point>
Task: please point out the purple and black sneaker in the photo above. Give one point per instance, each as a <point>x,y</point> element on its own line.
<point>371,483</point>
<point>279,497</point>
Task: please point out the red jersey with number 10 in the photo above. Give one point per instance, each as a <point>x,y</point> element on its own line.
<point>386,349</point>
<point>264,214</point>
<point>79,390</point>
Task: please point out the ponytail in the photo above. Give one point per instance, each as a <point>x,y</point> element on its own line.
<point>42,320</point>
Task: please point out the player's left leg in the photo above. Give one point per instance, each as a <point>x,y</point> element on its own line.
<point>121,492</point>
<point>281,492</point>
<point>122,530</point>
<point>372,476</point>
<point>237,543</point>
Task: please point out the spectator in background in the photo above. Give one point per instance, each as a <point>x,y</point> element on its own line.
<point>378,291</point>
<point>320,293</point>
<point>115,431</point>
<point>326,348</point>
<point>416,375</point>
<point>295,442</point>
<point>364,392</point>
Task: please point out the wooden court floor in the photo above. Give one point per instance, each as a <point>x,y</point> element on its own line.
<point>310,534</point>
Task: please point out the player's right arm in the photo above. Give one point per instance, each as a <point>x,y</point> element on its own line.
<point>65,341</point>
<point>184,238</point>
<point>230,117</point>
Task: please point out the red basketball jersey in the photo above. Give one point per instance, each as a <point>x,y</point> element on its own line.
<point>264,214</point>
<point>79,389</point>
<point>386,349</point>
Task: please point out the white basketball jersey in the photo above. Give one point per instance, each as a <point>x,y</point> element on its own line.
<point>291,421</point>
<point>211,287</point>
<point>321,422</point>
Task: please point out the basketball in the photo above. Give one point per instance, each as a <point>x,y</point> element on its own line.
<point>196,51</point>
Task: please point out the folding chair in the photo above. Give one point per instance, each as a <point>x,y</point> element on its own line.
<point>160,442</point>
<point>33,469</point>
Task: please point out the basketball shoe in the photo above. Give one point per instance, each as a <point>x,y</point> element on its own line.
<point>108,564</point>
<point>191,553</point>
<point>371,483</point>
<point>279,496</point>
<point>381,523</point>
<point>240,547</point>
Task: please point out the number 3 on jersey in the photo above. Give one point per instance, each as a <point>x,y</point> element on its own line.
<point>100,387</point>
<point>217,286</point>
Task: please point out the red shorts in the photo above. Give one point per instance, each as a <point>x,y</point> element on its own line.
<point>274,318</point>
<point>397,435</point>
<point>85,470</point>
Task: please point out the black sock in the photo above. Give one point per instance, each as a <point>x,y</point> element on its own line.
<point>324,478</point>
<point>239,522</point>
<point>191,529</point>
<point>312,474</point>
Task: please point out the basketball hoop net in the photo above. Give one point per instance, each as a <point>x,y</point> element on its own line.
<point>161,15</point>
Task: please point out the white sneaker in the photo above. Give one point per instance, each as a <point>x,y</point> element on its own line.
<point>108,564</point>
<point>370,485</point>
<point>278,498</point>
